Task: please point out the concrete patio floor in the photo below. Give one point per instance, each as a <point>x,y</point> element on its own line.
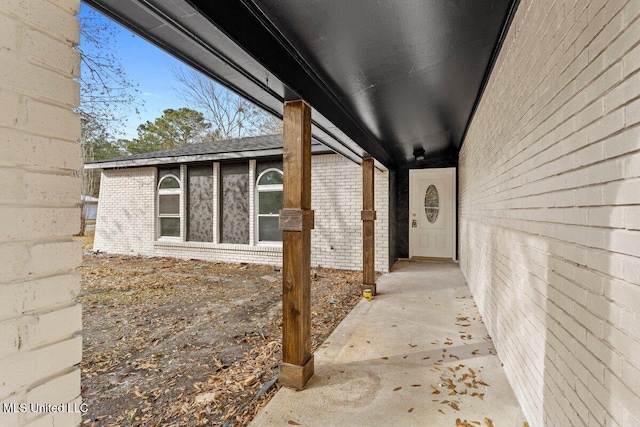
<point>418,354</point>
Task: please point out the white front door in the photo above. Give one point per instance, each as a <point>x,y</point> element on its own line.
<point>432,213</point>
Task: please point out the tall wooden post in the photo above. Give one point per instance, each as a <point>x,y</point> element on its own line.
<point>296,223</point>
<point>368,216</point>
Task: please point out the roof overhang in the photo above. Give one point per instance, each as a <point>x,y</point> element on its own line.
<point>214,157</point>
<point>383,78</point>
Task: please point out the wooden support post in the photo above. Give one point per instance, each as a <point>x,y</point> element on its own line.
<point>368,217</point>
<point>296,222</point>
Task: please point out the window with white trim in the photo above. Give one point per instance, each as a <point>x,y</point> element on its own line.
<point>169,191</point>
<point>268,205</point>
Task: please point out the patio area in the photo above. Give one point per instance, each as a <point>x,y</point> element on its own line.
<point>418,354</point>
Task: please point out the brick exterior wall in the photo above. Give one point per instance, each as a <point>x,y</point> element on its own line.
<point>40,321</point>
<point>336,197</point>
<point>549,213</point>
<point>126,219</point>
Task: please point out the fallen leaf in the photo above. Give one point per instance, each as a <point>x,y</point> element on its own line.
<point>455,406</point>
<point>397,388</point>
<point>410,410</point>
<point>488,422</point>
<point>441,411</point>
<point>416,385</point>
<point>293,423</point>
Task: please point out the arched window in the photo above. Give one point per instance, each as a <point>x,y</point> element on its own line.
<point>169,206</point>
<point>269,203</point>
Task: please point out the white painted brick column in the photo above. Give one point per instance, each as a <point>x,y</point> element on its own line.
<point>40,322</point>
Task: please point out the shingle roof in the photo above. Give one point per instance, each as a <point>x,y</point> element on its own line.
<point>254,144</point>
<point>262,142</point>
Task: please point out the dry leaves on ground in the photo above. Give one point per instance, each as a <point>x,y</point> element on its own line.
<point>188,342</point>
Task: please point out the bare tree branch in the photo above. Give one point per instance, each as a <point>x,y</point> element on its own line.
<point>231,116</point>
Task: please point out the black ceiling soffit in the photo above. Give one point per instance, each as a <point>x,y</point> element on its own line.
<point>384,78</point>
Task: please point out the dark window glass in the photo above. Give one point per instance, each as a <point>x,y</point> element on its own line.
<point>269,229</point>
<point>170,227</point>
<point>169,204</point>
<point>271,178</point>
<point>169,182</point>
<point>270,202</point>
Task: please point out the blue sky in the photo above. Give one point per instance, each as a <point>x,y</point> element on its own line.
<point>150,68</point>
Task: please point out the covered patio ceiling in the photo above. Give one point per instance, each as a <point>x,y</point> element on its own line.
<point>384,77</point>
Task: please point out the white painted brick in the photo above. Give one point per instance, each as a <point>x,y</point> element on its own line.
<point>548,193</point>
<point>52,189</point>
<point>9,337</point>
<point>62,389</point>
<point>45,119</point>
<point>10,418</point>
<point>632,217</point>
<point>44,14</point>
<point>19,255</point>
<point>9,36</point>
<point>23,368</point>
<point>21,149</point>
<point>126,220</point>
<point>54,257</point>
<point>9,109</point>
<point>611,123</point>
<point>24,77</point>
<point>39,153</point>
<point>30,223</point>
<point>23,297</point>
<point>39,329</point>
<point>11,185</point>
<point>632,113</point>
<point>51,53</point>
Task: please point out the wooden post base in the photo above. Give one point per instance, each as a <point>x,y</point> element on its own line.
<point>294,376</point>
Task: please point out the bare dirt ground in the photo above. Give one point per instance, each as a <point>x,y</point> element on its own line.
<point>172,342</point>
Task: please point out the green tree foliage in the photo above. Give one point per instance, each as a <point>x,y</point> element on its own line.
<point>175,128</point>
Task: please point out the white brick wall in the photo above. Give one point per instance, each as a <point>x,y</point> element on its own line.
<point>39,319</point>
<point>336,197</point>
<point>125,221</point>
<point>549,195</point>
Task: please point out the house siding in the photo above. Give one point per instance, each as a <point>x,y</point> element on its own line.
<point>549,208</point>
<point>126,218</point>
<point>40,321</point>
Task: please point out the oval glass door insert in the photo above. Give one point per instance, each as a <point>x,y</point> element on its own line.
<point>431,203</point>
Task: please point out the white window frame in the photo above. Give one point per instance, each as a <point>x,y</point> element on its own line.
<point>260,189</point>
<point>163,192</point>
